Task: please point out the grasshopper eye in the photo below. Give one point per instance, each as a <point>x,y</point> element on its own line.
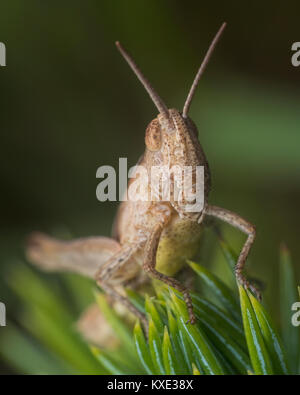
<point>153,136</point>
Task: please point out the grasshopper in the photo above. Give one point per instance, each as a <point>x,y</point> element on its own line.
<point>152,237</point>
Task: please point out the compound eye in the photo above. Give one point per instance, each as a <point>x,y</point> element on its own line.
<point>153,136</point>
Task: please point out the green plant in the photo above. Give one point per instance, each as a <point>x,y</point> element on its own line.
<point>234,333</point>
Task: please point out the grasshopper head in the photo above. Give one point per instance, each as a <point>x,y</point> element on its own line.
<point>172,138</point>
<point>172,134</point>
<point>172,144</point>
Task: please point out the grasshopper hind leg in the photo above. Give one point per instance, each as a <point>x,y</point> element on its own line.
<point>94,257</point>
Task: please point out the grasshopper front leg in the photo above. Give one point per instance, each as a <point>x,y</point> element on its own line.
<point>106,273</point>
<point>246,227</point>
<point>149,267</point>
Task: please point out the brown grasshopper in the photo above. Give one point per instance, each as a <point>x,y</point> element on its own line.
<point>155,236</point>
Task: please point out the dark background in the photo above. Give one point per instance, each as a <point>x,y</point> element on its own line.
<point>70,104</point>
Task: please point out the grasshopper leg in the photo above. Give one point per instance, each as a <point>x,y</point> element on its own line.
<point>149,267</point>
<point>98,257</point>
<point>82,256</point>
<point>106,272</point>
<point>246,227</point>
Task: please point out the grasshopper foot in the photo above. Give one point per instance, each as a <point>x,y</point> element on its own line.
<point>255,291</point>
<point>192,320</point>
<point>248,285</point>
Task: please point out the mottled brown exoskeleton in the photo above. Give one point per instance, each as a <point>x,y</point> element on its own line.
<point>153,237</point>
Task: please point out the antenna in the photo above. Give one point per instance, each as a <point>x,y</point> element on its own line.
<point>209,52</point>
<point>162,108</point>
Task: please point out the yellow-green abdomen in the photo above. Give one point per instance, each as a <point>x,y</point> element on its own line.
<point>179,241</point>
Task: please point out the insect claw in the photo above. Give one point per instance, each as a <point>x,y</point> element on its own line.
<point>191,320</point>
<point>256,292</point>
<point>248,286</point>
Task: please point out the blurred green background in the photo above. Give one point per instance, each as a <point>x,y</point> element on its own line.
<point>70,104</point>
